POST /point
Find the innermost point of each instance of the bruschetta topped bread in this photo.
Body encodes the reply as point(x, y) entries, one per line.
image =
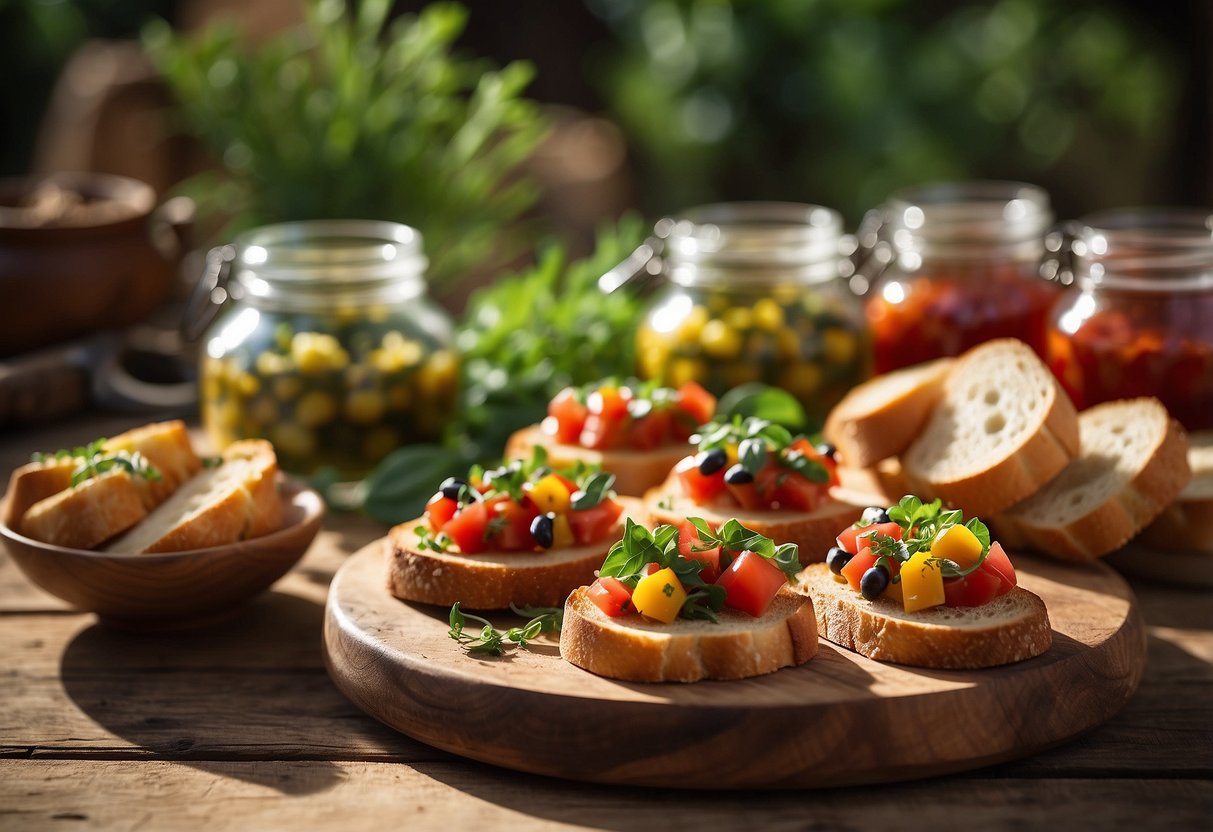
point(524, 534)
point(771, 480)
point(689, 602)
point(636, 430)
point(915, 584)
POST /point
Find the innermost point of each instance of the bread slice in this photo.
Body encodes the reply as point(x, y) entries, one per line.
point(1001, 430)
point(635, 649)
point(89, 514)
point(880, 485)
point(166, 445)
point(232, 501)
point(814, 532)
point(1187, 524)
point(32, 483)
point(1134, 462)
point(492, 580)
point(881, 417)
point(1011, 628)
point(635, 471)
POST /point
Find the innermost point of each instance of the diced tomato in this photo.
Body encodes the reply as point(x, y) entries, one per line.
point(611, 402)
point(595, 523)
point(997, 560)
point(699, 488)
point(978, 587)
point(886, 529)
point(611, 595)
point(568, 416)
point(515, 534)
point(650, 431)
point(751, 583)
point(439, 510)
point(756, 495)
point(856, 566)
point(602, 432)
point(689, 541)
point(467, 528)
point(807, 448)
point(650, 568)
point(696, 402)
point(848, 539)
point(795, 493)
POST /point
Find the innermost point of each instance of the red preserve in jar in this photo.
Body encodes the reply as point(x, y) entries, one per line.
point(1139, 321)
point(963, 268)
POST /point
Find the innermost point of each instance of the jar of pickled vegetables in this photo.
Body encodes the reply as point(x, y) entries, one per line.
point(1139, 320)
point(754, 293)
point(955, 264)
point(326, 344)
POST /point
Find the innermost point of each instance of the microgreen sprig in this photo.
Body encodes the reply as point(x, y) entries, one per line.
point(757, 440)
point(492, 641)
point(94, 461)
point(921, 525)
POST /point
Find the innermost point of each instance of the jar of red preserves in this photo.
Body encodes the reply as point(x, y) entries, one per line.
point(1139, 321)
point(963, 267)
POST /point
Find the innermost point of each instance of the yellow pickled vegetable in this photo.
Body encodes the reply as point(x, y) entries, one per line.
point(659, 596)
point(768, 315)
point(720, 340)
point(957, 544)
point(921, 583)
point(562, 532)
point(549, 494)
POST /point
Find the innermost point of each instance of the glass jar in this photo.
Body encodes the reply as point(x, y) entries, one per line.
point(961, 265)
point(1139, 321)
point(754, 292)
point(326, 344)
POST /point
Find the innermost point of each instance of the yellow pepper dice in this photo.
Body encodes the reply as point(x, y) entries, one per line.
point(562, 532)
point(921, 583)
point(659, 596)
point(957, 544)
point(549, 494)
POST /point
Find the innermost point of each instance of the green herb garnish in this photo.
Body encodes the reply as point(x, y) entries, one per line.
point(492, 641)
point(758, 440)
point(94, 461)
point(921, 523)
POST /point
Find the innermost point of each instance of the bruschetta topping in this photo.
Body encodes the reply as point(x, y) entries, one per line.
point(634, 415)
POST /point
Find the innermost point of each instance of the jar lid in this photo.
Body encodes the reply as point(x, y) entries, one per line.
point(304, 264)
point(793, 239)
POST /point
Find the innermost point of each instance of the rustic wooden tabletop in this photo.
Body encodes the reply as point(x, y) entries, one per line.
point(239, 727)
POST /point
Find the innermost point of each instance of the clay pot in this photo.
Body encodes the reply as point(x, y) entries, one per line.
point(73, 265)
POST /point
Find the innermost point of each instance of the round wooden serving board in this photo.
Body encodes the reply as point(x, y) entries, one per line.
point(840, 719)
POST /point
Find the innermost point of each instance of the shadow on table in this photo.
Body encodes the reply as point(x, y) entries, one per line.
point(248, 689)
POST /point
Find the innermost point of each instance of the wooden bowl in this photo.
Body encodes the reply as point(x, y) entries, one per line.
point(173, 590)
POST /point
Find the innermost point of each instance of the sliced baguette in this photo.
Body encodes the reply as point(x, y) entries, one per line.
point(881, 417)
point(1187, 524)
point(1011, 628)
point(1001, 430)
point(1134, 462)
point(880, 485)
point(634, 649)
point(635, 471)
point(165, 445)
point(814, 532)
point(232, 501)
point(89, 514)
point(492, 580)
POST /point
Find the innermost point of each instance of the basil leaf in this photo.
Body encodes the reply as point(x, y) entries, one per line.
point(759, 400)
point(593, 491)
point(397, 490)
point(753, 455)
point(980, 531)
point(787, 558)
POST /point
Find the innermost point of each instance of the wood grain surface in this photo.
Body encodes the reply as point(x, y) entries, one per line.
point(238, 727)
point(841, 719)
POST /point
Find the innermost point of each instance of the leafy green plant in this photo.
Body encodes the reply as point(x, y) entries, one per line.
point(346, 117)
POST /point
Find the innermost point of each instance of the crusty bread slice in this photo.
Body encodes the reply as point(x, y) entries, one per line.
point(492, 580)
point(814, 532)
point(232, 501)
point(635, 471)
point(1134, 462)
point(165, 445)
point(881, 417)
point(635, 649)
point(89, 514)
point(1187, 524)
point(880, 485)
point(1002, 429)
point(1011, 628)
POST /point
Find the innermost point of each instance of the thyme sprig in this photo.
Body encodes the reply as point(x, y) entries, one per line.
point(921, 524)
point(492, 641)
point(95, 461)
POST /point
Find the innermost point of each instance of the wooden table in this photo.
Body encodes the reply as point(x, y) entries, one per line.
point(239, 727)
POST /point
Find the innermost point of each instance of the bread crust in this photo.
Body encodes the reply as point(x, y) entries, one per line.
point(1115, 521)
point(1017, 472)
point(740, 646)
point(32, 483)
point(814, 532)
point(492, 580)
point(1009, 629)
point(1187, 524)
point(166, 445)
point(89, 514)
point(635, 471)
point(881, 417)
